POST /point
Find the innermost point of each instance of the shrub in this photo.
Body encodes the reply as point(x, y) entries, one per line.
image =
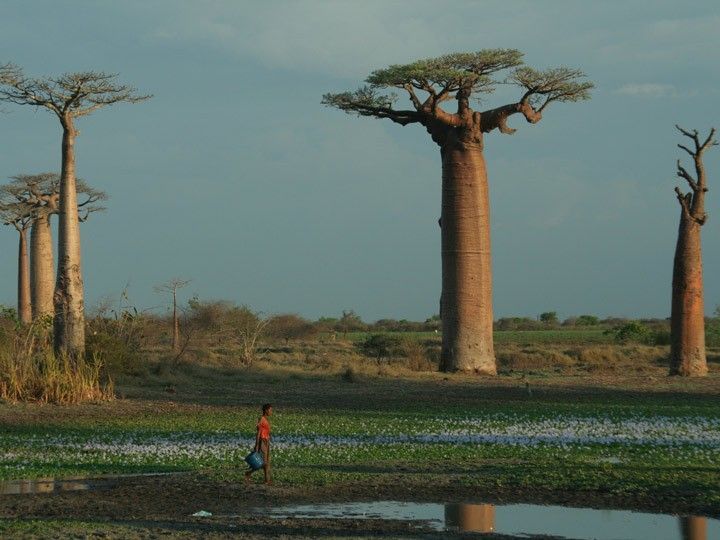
point(290, 326)
point(380, 346)
point(416, 356)
point(349, 375)
point(632, 332)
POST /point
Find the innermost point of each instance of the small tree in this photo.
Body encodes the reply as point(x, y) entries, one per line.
point(549, 318)
point(290, 326)
point(687, 318)
point(68, 97)
point(380, 346)
point(171, 287)
point(350, 322)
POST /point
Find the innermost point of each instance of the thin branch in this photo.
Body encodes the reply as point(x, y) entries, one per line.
point(682, 173)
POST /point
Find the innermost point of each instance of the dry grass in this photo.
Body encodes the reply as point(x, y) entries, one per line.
point(29, 371)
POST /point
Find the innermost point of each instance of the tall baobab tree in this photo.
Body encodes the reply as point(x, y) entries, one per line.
point(19, 215)
point(466, 300)
point(42, 191)
point(172, 288)
point(69, 96)
point(687, 318)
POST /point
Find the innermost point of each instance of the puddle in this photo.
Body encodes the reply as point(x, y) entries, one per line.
point(518, 519)
point(52, 485)
point(29, 487)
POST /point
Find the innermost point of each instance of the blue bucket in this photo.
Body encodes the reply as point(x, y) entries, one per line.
point(254, 460)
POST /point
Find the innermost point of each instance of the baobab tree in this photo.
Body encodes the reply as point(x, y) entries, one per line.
point(19, 215)
point(466, 299)
point(172, 288)
point(69, 96)
point(42, 191)
point(687, 318)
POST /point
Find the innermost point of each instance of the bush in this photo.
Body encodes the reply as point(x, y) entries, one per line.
point(416, 356)
point(632, 332)
point(290, 326)
point(380, 346)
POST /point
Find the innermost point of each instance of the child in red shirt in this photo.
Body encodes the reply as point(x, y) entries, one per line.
point(262, 442)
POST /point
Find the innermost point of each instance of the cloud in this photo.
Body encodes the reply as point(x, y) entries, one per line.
point(649, 90)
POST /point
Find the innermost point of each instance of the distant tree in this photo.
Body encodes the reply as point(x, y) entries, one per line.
point(587, 320)
point(549, 318)
point(42, 191)
point(289, 326)
point(171, 287)
point(466, 299)
point(687, 318)
point(19, 215)
point(350, 322)
point(69, 97)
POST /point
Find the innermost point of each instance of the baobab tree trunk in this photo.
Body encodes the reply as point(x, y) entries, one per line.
point(693, 528)
point(42, 268)
point(687, 320)
point(470, 517)
point(24, 307)
point(69, 321)
point(466, 301)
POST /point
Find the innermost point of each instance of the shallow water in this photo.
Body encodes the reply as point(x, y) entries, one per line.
point(519, 519)
point(29, 487)
point(52, 485)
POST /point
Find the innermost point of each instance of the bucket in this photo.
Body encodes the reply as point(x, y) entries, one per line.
point(254, 460)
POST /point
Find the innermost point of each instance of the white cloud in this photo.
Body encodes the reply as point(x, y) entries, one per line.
point(652, 90)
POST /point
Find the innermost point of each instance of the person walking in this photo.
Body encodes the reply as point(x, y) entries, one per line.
point(262, 442)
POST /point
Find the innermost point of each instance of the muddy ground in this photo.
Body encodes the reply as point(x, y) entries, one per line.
point(156, 506)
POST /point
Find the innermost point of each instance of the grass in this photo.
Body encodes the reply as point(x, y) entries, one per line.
point(343, 440)
point(577, 336)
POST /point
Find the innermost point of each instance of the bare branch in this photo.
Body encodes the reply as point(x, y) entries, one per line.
point(687, 150)
point(682, 173)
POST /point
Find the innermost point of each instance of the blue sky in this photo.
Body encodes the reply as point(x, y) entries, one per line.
point(236, 177)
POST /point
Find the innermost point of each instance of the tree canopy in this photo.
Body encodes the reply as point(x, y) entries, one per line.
point(430, 82)
point(68, 95)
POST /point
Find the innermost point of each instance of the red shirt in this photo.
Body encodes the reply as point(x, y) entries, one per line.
point(263, 427)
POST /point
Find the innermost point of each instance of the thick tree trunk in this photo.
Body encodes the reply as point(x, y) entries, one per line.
point(693, 528)
point(42, 267)
point(69, 321)
point(23, 305)
point(466, 302)
point(470, 517)
point(687, 321)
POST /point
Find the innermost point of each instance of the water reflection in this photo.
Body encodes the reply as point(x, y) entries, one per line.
point(514, 519)
point(29, 487)
point(693, 528)
point(470, 517)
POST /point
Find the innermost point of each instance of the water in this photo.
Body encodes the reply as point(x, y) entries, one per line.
point(28, 487)
point(52, 485)
point(519, 519)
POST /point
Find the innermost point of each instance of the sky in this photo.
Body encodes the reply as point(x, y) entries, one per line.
point(235, 176)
